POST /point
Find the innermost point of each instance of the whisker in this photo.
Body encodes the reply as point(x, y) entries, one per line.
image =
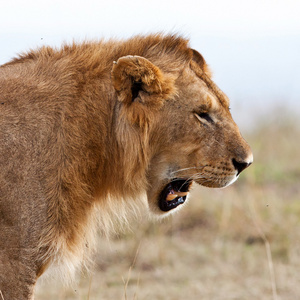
point(181, 170)
point(187, 180)
point(204, 177)
point(185, 169)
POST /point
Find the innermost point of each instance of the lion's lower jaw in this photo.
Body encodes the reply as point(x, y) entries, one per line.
point(155, 213)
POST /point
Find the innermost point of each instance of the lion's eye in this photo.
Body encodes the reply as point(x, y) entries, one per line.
point(204, 116)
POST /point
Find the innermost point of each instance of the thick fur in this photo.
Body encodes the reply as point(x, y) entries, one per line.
point(90, 133)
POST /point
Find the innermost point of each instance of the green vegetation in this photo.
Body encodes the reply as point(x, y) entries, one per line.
point(242, 242)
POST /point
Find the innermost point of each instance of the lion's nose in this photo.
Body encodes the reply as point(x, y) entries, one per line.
point(241, 165)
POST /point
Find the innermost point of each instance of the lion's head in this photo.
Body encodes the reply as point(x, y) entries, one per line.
point(186, 125)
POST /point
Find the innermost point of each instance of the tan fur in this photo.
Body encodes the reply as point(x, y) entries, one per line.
point(91, 133)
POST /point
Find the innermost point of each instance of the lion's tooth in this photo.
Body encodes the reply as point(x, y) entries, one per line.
point(171, 197)
point(181, 194)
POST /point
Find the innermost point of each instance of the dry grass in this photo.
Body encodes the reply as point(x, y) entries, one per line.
point(242, 242)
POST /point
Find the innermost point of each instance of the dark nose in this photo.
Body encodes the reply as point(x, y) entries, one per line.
point(240, 166)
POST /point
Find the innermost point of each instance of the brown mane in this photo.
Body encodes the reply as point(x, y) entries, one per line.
point(150, 46)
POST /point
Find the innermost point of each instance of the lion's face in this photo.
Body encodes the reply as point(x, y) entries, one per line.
point(199, 141)
point(192, 137)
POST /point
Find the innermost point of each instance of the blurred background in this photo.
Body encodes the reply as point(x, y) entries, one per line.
point(241, 242)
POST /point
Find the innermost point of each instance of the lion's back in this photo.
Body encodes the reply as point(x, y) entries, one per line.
point(45, 124)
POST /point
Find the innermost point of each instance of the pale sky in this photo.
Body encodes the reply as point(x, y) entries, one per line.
point(252, 46)
point(119, 17)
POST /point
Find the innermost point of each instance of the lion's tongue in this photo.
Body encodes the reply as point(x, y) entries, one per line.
point(172, 195)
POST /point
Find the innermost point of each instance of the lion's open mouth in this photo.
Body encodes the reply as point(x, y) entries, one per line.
point(174, 194)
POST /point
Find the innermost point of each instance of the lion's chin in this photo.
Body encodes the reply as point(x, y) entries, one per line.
point(174, 194)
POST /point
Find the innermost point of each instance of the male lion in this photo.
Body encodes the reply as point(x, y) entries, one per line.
point(87, 129)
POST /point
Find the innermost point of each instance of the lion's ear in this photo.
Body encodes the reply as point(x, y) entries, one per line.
point(198, 58)
point(134, 74)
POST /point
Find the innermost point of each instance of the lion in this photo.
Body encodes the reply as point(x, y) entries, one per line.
point(92, 131)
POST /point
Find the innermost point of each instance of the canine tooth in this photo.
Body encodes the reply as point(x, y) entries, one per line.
point(171, 197)
point(181, 194)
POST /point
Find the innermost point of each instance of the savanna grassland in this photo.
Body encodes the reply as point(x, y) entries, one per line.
point(242, 242)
